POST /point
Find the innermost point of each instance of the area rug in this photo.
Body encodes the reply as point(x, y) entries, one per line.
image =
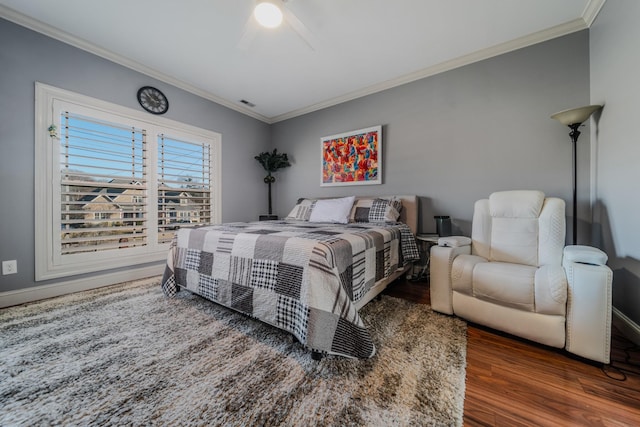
point(127, 355)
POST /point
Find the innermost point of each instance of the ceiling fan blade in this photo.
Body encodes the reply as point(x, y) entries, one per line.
point(298, 27)
point(250, 30)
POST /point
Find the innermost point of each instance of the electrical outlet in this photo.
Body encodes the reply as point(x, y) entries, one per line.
point(9, 267)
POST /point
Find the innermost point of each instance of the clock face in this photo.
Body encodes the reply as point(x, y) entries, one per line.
point(153, 100)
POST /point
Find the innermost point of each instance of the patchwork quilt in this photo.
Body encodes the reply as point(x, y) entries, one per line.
point(298, 276)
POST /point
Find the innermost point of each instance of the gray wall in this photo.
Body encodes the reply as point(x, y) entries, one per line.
point(456, 137)
point(451, 138)
point(27, 57)
point(615, 67)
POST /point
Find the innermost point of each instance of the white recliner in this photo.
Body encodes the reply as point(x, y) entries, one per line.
point(514, 274)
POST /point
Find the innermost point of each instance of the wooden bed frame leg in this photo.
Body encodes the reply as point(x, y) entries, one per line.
point(316, 355)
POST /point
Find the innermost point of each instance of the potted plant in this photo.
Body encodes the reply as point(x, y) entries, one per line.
point(271, 162)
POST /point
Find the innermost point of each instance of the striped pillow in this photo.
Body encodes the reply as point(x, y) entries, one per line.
point(302, 210)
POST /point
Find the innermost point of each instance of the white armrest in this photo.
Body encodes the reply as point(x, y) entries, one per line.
point(454, 241)
point(589, 302)
point(585, 255)
point(440, 276)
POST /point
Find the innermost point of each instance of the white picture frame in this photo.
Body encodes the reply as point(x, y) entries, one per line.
point(352, 158)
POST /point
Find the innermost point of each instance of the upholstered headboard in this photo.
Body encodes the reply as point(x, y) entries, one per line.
point(409, 213)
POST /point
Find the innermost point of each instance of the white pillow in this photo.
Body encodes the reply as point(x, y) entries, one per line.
point(332, 210)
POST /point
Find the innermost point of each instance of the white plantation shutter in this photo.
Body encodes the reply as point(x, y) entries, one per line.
point(184, 185)
point(113, 184)
point(103, 185)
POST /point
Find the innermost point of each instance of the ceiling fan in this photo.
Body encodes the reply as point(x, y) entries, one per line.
point(271, 14)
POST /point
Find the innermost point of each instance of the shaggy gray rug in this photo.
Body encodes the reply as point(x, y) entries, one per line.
point(126, 355)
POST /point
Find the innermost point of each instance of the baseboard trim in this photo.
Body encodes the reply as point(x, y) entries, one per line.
point(35, 293)
point(628, 327)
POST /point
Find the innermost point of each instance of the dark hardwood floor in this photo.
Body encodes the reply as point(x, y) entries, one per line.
point(514, 382)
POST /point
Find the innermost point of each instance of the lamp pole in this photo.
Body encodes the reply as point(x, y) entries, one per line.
point(574, 134)
point(574, 118)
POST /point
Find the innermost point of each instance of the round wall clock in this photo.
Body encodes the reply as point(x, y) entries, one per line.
point(152, 100)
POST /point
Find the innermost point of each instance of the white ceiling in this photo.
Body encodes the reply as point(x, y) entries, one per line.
point(359, 46)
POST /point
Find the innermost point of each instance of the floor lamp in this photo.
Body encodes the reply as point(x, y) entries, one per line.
point(574, 118)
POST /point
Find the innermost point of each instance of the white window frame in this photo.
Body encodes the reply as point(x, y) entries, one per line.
point(49, 262)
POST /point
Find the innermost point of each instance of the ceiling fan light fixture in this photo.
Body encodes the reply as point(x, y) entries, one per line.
point(268, 15)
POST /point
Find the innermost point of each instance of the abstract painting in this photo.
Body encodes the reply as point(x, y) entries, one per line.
point(352, 158)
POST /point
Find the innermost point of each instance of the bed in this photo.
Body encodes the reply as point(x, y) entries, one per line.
point(304, 276)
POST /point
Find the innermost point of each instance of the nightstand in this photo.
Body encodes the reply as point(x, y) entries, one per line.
point(425, 242)
point(267, 217)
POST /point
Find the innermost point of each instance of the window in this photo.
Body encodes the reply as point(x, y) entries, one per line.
point(113, 184)
point(184, 178)
point(103, 184)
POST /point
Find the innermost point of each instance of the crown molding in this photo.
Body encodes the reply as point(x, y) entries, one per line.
point(528, 40)
point(588, 16)
point(47, 30)
point(591, 10)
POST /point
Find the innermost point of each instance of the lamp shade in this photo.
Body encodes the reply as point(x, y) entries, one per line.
point(575, 115)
